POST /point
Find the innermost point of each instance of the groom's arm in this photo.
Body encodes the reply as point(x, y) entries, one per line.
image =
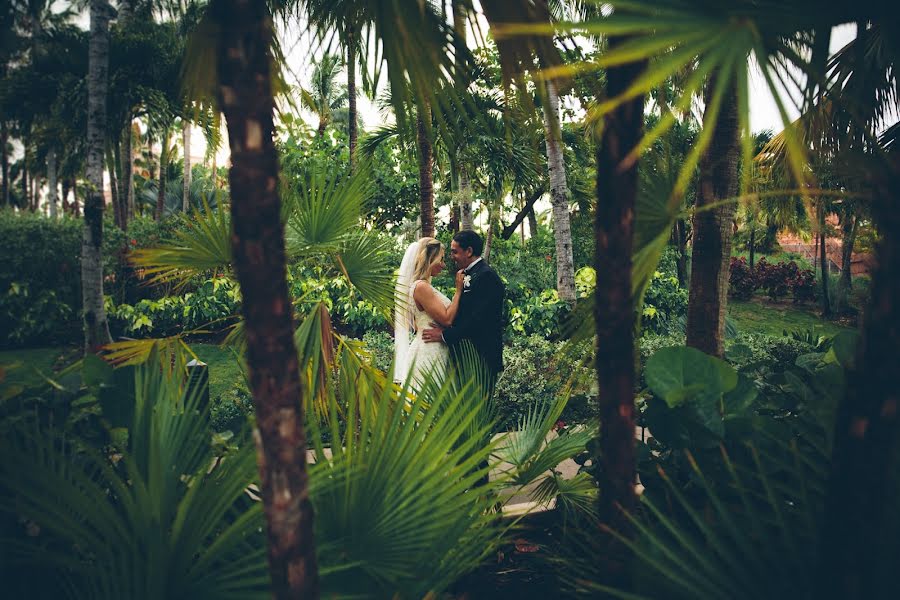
point(487, 297)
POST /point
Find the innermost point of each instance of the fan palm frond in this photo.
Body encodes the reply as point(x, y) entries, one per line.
point(165, 521)
point(203, 245)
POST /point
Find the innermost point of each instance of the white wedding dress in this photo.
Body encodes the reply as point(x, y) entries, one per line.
point(425, 358)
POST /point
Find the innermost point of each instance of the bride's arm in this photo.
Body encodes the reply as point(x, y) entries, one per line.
point(427, 298)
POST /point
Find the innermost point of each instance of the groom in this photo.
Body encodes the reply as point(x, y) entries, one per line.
point(479, 319)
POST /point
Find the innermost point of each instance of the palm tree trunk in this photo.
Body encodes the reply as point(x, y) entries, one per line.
point(96, 328)
point(489, 236)
point(351, 94)
point(614, 315)
point(752, 246)
point(465, 200)
point(186, 142)
point(51, 182)
point(426, 165)
point(126, 178)
point(4, 161)
point(245, 96)
point(681, 244)
point(559, 199)
point(26, 197)
point(76, 208)
point(163, 175)
point(114, 186)
point(823, 259)
point(845, 283)
point(855, 543)
point(64, 197)
point(710, 260)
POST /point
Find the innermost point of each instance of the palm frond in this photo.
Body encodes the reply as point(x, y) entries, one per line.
point(204, 245)
point(165, 521)
point(323, 211)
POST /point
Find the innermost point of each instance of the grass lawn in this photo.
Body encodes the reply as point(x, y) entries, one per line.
point(224, 370)
point(758, 316)
point(24, 367)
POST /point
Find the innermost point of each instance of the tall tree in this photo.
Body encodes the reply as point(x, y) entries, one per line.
point(712, 228)
point(163, 173)
point(96, 328)
point(325, 94)
point(186, 179)
point(614, 307)
point(244, 92)
point(559, 198)
point(52, 187)
point(426, 167)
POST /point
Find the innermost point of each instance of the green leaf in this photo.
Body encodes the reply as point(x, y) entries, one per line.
point(678, 374)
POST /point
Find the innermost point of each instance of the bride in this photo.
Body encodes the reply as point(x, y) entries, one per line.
point(418, 305)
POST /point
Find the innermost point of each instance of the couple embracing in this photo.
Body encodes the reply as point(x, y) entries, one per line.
point(430, 329)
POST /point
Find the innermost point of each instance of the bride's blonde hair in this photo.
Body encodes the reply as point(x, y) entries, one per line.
point(430, 252)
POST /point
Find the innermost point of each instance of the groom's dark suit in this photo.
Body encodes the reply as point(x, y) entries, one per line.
point(480, 316)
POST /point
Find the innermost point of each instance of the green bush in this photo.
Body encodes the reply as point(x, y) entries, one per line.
point(231, 411)
point(212, 307)
point(535, 370)
point(40, 274)
point(381, 347)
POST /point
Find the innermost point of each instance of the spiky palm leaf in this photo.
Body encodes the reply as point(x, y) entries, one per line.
point(405, 516)
point(751, 532)
point(203, 245)
point(165, 521)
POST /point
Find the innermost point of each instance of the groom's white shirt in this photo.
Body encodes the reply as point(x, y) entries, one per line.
point(472, 264)
point(466, 270)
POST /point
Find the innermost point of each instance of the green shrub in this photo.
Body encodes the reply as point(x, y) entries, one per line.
point(40, 274)
point(231, 411)
point(381, 347)
point(536, 370)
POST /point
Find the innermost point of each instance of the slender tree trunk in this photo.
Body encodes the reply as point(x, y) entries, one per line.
point(527, 211)
point(559, 198)
point(26, 196)
point(858, 549)
point(96, 328)
point(76, 208)
point(845, 283)
point(681, 244)
point(489, 237)
point(245, 95)
point(52, 187)
point(752, 246)
point(465, 200)
point(426, 165)
point(351, 94)
point(36, 184)
point(4, 161)
point(126, 177)
point(66, 186)
point(186, 142)
point(163, 175)
point(711, 257)
point(114, 187)
point(532, 221)
point(823, 260)
point(614, 316)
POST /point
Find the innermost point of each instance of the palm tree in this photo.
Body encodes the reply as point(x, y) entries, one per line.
point(244, 93)
point(96, 328)
point(712, 227)
point(325, 94)
point(559, 197)
point(426, 167)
